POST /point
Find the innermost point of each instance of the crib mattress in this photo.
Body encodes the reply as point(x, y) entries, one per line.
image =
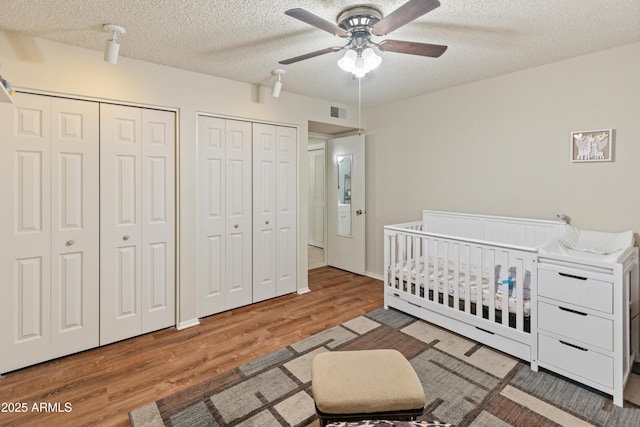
point(412, 271)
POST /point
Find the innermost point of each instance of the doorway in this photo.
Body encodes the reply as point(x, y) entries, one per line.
point(319, 134)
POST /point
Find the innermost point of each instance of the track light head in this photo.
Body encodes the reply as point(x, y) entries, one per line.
point(112, 47)
point(277, 85)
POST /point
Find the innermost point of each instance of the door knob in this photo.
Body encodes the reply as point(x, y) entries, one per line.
point(70, 242)
point(359, 212)
point(125, 237)
point(236, 226)
point(267, 222)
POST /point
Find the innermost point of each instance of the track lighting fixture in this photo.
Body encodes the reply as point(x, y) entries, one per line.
point(112, 48)
point(277, 85)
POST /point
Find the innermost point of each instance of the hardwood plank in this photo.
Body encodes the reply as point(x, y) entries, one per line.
point(104, 384)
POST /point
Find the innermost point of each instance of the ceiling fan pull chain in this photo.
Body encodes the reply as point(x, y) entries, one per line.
point(359, 106)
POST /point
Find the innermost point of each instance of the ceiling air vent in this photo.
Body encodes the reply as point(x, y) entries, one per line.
point(338, 113)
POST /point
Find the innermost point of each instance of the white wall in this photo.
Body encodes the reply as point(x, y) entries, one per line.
point(40, 65)
point(501, 146)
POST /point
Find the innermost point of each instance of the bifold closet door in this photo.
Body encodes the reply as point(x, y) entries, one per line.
point(274, 211)
point(48, 229)
point(137, 280)
point(75, 238)
point(224, 215)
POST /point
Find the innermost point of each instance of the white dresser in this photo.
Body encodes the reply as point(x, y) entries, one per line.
point(588, 320)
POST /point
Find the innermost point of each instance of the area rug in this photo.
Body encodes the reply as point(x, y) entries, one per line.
point(465, 383)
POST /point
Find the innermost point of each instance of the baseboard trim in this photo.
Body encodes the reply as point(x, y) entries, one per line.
point(189, 323)
point(374, 275)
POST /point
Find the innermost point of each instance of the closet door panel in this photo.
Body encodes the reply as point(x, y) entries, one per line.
point(264, 211)
point(25, 253)
point(238, 213)
point(75, 225)
point(120, 223)
point(211, 216)
point(158, 220)
point(286, 206)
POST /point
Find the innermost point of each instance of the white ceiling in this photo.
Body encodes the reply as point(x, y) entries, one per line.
point(244, 39)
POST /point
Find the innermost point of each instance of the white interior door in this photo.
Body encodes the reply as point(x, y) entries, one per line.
point(264, 212)
point(158, 220)
point(346, 203)
point(239, 215)
point(75, 238)
point(286, 206)
point(211, 215)
point(317, 185)
point(120, 222)
point(25, 232)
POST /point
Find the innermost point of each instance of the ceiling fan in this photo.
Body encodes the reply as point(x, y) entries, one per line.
point(358, 24)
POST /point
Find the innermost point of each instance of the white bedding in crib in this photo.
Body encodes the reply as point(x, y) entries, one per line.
point(487, 288)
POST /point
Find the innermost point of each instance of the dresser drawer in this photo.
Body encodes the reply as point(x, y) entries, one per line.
point(587, 328)
point(578, 290)
point(581, 362)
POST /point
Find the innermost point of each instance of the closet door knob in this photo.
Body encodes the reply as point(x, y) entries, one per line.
point(125, 237)
point(267, 222)
point(70, 242)
point(236, 226)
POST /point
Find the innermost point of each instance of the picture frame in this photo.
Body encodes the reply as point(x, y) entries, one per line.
point(592, 146)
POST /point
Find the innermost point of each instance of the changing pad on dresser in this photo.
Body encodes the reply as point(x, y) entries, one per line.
point(596, 245)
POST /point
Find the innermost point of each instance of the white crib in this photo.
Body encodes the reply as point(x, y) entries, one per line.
point(478, 276)
point(500, 252)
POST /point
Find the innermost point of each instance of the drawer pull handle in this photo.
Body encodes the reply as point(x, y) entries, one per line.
point(571, 276)
point(572, 345)
point(572, 311)
point(484, 330)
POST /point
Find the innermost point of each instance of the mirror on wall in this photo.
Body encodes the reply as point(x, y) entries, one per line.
point(344, 194)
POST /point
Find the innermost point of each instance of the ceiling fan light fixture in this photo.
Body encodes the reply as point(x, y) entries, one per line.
point(348, 61)
point(359, 64)
point(112, 48)
point(371, 60)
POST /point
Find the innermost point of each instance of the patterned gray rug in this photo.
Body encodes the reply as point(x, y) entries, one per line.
point(466, 384)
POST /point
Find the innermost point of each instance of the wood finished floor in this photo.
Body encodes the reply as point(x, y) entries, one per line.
point(104, 384)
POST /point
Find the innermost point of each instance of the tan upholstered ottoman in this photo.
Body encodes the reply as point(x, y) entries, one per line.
point(366, 384)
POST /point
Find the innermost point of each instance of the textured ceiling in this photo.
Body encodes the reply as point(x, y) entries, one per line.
point(244, 40)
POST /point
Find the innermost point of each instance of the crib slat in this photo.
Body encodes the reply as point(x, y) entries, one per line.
point(505, 288)
point(467, 287)
point(416, 264)
point(520, 273)
point(445, 273)
point(491, 264)
point(456, 275)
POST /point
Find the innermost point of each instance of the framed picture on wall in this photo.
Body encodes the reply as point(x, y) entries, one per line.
point(592, 145)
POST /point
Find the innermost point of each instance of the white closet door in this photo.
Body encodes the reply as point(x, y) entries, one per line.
point(120, 223)
point(264, 212)
point(75, 260)
point(238, 214)
point(211, 216)
point(286, 205)
point(25, 252)
point(158, 220)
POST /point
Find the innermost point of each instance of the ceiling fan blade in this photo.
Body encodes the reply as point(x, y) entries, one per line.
point(316, 21)
point(413, 48)
point(310, 55)
point(406, 13)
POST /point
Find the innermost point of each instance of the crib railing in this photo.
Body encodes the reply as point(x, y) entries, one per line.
point(456, 268)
